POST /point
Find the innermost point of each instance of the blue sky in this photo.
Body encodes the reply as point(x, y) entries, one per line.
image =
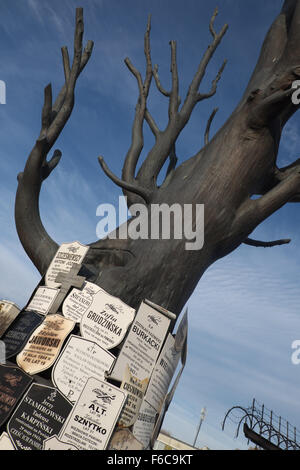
point(244, 314)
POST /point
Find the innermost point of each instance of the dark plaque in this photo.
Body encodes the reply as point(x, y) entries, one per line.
point(41, 414)
point(19, 331)
point(13, 384)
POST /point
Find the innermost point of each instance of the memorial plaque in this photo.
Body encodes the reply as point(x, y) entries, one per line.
point(5, 442)
point(143, 343)
point(44, 345)
point(123, 439)
point(135, 389)
point(53, 443)
point(66, 255)
point(8, 313)
point(162, 374)
point(13, 384)
point(19, 331)
point(106, 321)
point(79, 360)
point(41, 414)
point(144, 425)
point(78, 301)
point(94, 416)
point(42, 300)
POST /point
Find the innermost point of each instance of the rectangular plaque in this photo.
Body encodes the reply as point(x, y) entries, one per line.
point(44, 344)
point(42, 300)
point(8, 312)
point(162, 374)
point(94, 416)
point(79, 360)
point(13, 384)
point(41, 414)
point(66, 255)
point(106, 321)
point(143, 343)
point(144, 425)
point(19, 331)
point(136, 390)
point(78, 301)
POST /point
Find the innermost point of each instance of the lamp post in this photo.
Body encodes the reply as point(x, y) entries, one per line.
point(202, 418)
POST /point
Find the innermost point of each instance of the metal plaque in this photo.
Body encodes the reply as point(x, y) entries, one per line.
point(13, 384)
point(79, 360)
point(42, 300)
point(8, 312)
point(163, 373)
point(66, 255)
point(135, 389)
point(143, 343)
point(41, 414)
point(106, 321)
point(94, 416)
point(78, 301)
point(44, 345)
point(19, 331)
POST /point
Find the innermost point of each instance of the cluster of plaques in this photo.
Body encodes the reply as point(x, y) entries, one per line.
point(110, 367)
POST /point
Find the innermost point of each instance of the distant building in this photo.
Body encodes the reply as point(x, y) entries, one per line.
point(167, 442)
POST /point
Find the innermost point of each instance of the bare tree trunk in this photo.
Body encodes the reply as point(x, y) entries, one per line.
point(239, 162)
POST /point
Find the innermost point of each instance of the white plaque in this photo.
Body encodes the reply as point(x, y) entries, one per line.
point(144, 425)
point(136, 390)
point(94, 416)
point(78, 301)
point(53, 443)
point(5, 442)
point(66, 255)
point(79, 360)
point(143, 343)
point(163, 373)
point(42, 300)
point(106, 321)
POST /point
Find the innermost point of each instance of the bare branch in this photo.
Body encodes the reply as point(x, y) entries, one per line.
point(131, 187)
point(136, 73)
point(260, 244)
point(152, 124)
point(158, 83)
point(66, 63)
point(210, 120)
point(211, 23)
point(193, 96)
point(47, 108)
point(203, 96)
point(174, 98)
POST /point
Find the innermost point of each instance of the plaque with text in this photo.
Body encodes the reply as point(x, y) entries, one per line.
point(123, 439)
point(143, 343)
point(53, 443)
point(163, 373)
point(13, 384)
point(78, 301)
point(41, 414)
point(66, 255)
point(79, 360)
point(144, 425)
point(8, 313)
point(42, 300)
point(106, 321)
point(19, 331)
point(44, 345)
point(5, 442)
point(94, 416)
point(135, 389)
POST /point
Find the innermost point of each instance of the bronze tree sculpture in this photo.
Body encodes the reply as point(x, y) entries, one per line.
point(236, 164)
